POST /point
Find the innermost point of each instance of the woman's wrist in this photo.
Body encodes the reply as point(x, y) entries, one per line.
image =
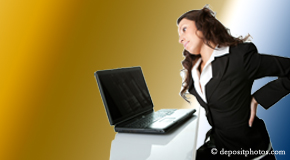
point(254, 100)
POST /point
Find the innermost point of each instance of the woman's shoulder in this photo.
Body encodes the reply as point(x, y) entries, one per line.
point(243, 48)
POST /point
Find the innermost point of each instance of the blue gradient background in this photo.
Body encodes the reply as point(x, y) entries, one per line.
point(268, 22)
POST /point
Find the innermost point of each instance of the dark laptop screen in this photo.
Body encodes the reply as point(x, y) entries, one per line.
point(124, 93)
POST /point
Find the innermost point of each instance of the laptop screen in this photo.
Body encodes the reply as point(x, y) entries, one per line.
point(124, 93)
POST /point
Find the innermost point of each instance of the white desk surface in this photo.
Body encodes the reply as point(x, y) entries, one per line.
point(179, 144)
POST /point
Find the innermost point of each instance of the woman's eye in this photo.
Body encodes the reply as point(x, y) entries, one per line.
point(184, 29)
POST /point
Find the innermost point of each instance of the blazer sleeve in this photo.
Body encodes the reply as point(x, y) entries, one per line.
point(259, 65)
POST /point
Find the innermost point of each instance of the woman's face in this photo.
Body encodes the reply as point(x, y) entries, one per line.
point(187, 36)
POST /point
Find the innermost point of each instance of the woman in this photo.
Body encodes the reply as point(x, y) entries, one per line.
point(219, 72)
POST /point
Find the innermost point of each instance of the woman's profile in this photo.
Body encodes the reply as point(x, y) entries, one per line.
point(219, 71)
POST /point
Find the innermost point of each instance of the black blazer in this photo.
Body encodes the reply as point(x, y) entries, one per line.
point(229, 96)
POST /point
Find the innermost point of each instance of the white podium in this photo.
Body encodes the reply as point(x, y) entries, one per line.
point(179, 144)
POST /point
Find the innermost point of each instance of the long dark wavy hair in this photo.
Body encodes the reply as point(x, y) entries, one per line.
point(213, 31)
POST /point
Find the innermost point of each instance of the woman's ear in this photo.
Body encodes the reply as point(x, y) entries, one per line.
point(199, 34)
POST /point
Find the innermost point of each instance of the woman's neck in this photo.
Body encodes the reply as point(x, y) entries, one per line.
point(206, 52)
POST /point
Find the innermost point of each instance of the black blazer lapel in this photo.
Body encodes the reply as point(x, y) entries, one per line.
point(192, 90)
point(219, 66)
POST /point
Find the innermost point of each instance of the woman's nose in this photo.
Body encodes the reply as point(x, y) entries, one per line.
point(181, 39)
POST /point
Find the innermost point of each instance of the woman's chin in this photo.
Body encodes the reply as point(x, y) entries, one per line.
point(193, 53)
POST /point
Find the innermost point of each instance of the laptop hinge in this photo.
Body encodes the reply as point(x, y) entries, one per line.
point(135, 116)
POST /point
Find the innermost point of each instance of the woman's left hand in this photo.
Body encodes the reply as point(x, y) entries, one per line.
point(254, 105)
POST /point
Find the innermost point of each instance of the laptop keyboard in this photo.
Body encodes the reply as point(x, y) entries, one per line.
point(150, 118)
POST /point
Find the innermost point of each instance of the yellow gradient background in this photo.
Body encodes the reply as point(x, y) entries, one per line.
point(50, 105)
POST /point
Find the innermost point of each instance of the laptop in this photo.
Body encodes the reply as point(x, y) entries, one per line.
point(129, 106)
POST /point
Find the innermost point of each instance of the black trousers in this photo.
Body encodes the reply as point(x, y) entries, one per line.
point(207, 152)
